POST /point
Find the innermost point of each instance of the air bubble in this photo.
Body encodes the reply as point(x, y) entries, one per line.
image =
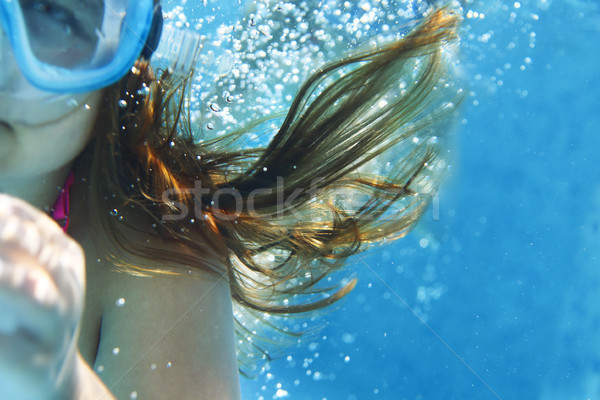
point(71, 102)
point(348, 338)
point(122, 103)
point(145, 91)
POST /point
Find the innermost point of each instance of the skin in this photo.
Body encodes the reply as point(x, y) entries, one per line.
point(174, 335)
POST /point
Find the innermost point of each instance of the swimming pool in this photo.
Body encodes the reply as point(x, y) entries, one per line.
point(494, 295)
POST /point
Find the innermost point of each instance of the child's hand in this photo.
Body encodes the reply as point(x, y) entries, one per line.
point(41, 298)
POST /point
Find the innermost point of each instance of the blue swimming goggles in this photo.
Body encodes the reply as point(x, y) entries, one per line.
point(73, 46)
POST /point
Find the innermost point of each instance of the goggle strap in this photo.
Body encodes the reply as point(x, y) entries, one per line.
point(178, 51)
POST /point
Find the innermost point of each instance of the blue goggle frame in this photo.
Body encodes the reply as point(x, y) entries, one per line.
point(140, 19)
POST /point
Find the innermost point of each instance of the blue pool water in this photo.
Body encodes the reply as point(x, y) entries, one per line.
point(498, 297)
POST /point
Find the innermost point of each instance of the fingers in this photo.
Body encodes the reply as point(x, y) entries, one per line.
point(41, 299)
point(44, 263)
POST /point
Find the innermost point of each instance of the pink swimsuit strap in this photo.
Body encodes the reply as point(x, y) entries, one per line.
point(60, 211)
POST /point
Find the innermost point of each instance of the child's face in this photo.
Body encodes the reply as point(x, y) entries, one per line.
point(39, 132)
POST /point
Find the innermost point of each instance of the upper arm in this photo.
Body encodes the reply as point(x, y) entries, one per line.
point(172, 338)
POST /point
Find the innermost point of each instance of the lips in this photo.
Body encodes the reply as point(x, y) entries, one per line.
point(5, 126)
point(6, 132)
point(8, 140)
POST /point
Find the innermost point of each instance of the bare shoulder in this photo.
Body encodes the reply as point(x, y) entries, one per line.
point(161, 337)
point(168, 337)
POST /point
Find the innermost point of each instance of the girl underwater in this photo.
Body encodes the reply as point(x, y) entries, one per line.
point(159, 235)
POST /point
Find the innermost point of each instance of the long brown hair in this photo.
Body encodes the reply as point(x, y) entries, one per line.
point(356, 161)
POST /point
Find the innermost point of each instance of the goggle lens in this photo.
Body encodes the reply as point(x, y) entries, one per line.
point(64, 33)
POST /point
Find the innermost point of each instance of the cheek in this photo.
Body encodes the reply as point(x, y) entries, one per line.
point(48, 147)
point(73, 133)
